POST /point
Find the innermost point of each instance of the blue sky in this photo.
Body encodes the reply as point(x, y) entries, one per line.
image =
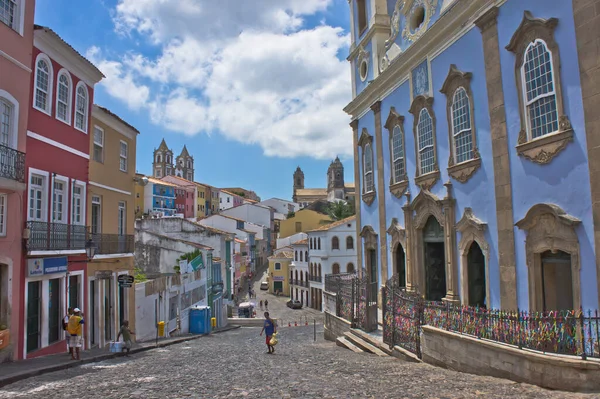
point(253, 89)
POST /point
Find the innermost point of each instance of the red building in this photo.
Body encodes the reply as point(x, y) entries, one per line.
point(16, 44)
point(58, 142)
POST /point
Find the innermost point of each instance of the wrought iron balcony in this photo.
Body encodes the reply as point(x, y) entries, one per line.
point(45, 236)
point(12, 164)
point(316, 279)
point(113, 243)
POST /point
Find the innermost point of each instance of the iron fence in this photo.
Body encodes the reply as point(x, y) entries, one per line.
point(12, 164)
point(571, 332)
point(315, 278)
point(354, 301)
point(112, 243)
point(45, 236)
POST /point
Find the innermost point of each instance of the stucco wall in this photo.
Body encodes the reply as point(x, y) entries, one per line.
point(467, 354)
point(309, 219)
point(335, 327)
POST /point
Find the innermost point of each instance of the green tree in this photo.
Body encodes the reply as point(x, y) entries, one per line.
point(339, 210)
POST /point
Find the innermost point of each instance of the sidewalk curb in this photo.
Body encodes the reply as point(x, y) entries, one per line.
point(12, 378)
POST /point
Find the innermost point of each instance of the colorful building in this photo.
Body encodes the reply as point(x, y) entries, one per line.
point(202, 200)
point(229, 200)
point(309, 218)
point(111, 198)
point(214, 200)
point(58, 143)
point(185, 195)
point(279, 272)
point(16, 46)
point(475, 133)
point(159, 197)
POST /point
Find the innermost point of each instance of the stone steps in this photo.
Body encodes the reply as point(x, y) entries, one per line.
point(344, 343)
point(363, 344)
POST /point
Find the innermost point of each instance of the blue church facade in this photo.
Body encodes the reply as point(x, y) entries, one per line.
point(474, 128)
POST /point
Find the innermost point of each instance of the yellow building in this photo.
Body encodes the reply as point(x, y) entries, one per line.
point(203, 195)
point(304, 220)
point(279, 272)
point(111, 217)
point(139, 198)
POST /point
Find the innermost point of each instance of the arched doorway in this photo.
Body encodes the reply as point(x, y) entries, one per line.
point(335, 269)
point(434, 260)
point(557, 281)
point(400, 265)
point(476, 273)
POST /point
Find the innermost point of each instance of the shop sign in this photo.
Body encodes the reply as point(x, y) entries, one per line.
point(278, 278)
point(41, 266)
point(103, 274)
point(125, 280)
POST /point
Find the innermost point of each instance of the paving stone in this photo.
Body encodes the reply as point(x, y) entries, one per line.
point(235, 365)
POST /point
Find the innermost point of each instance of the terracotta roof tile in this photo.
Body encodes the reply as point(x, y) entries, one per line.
point(301, 242)
point(335, 224)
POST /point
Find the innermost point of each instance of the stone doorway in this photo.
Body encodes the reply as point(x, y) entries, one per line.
point(556, 281)
point(477, 277)
point(400, 265)
point(434, 260)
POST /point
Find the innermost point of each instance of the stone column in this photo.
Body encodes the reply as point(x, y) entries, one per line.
point(357, 197)
point(411, 284)
point(449, 204)
point(587, 19)
point(383, 250)
point(487, 23)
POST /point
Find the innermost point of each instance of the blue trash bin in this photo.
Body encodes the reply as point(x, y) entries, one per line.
point(200, 320)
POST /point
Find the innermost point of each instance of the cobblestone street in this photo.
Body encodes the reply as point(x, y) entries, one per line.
point(234, 364)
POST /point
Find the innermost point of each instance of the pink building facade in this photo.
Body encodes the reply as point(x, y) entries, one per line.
point(16, 45)
point(54, 265)
point(185, 195)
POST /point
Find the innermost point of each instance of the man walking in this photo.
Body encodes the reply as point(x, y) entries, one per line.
point(126, 332)
point(269, 329)
point(261, 304)
point(266, 304)
point(75, 331)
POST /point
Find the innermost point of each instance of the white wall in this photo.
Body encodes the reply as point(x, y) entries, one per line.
point(223, 197)
point(252, 213)
point(284, 242)
point(280, 205)
point(327, 256)
point(146, 306)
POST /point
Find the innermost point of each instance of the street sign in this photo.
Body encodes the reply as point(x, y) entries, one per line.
point(125, 279)
point(125, 285)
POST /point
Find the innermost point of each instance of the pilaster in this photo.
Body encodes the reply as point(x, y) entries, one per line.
point(587, 19)
point(357, 197)
point(411, 284)
point(449, 204)
point(383, 250)
point(488, 25)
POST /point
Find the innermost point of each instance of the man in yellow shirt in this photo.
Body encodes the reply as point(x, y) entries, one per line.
point(75, 330)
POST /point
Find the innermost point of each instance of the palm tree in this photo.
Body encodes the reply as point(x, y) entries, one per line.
point(338, 211)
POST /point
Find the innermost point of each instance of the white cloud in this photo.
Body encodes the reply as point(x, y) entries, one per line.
point(248, 70)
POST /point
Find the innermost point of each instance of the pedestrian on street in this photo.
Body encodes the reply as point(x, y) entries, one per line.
point(261, 304)
point(266, 304)
point(126, 332)
point(75, 330)
point(66, 324)
point(269, 329)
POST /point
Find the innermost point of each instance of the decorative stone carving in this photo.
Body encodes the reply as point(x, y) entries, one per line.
point(457, 79)
point(424, 205)
point(369, 238)
point(471, 230)
point(550, 228)
point(398, 184)
point(365, 138)
point(545, 148)
point(397, 233)
point(424, 181)
point(412, 33)
point(363, 55)
point(395, 23)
